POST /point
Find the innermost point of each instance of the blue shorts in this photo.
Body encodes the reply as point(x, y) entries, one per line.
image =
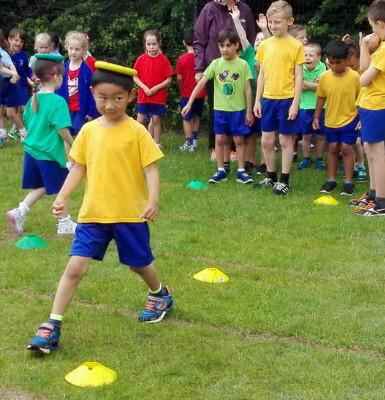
point(274, 117)
point(4, 90)
point(15, 94)
point(77, 121)
point(345, 134)
point(256, 127)
point(43, 173)
point(132, 241)
point(196, 108)
point(306, 123)
point(149, 109)
point(372, 125)
point(230, 123)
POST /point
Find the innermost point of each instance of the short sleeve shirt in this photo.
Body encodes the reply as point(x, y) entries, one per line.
point(309, 97)
point(115, 158)
point(341, 93)
point(185, 68)
point(230, 77)
point(43, 141)
point(279, 57)
point(152, 71)
point(373, 97)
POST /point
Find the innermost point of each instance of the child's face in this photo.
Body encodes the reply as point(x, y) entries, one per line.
point(312, 57)
point(258, 40)
point(16, 43)
point(75, 50)
point(279, 24)
point(302, 36)
point(152, 46)
point(378, 28)
point(228, 50)
point(337, 66)
point(111, 100)
point(43, 47)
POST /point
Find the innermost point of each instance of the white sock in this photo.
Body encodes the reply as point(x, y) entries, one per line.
point(24, 209)
point(241, 170)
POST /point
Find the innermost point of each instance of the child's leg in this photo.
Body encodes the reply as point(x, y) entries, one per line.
point(220, 143)
point(333, 151)
point(376, 155)
point(149, 276)
point(157, 127)
point(268, 143)
point(141, 118)
point(76, 268)
point(195, 125)
point(251, 148)
point(188, 130)
point(372, 180)
point(240, 149)
point(287, 148)
point(14, 116)
point(348, 157)
point(320, 146)
point(306, 140)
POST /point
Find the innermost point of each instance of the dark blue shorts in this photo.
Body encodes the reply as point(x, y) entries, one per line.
point(306, 123)
point(15, 94)
point(256, 127)
point(230, 123)
point(346, 134)
point(196, 108)
point(43, 173)
point(151, 109)
point(372, 125)
point(274, 117)
point(132, 241)
point(77, 121)
point(4, 90)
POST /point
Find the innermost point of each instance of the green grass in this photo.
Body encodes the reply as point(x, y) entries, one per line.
point(303, 316)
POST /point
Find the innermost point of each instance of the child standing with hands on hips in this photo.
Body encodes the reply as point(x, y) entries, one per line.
point(46, 118)
point(112, 146)
point(154, 76)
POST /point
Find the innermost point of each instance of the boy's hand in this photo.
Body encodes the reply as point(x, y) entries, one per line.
point(235, 14)
point(185, 110)
point(58, 207)
point(258, 109)
point(151, 212)
point(293, 112)
point(315, 124)
point(371, 41)
point(262, 22)
point(249, 119)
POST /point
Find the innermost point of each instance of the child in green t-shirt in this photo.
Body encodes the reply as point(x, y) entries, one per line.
point(233, 114)
point(312, 70)
point(47, 119)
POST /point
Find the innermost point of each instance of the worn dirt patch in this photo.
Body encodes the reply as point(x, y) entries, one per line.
point(10, 394)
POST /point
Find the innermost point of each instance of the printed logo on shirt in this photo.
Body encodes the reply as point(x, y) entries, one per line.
point(73, 86)
point(227, 79)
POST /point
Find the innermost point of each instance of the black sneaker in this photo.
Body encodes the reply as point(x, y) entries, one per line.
point(374, 212)
point(226, 166)
point(261, 169)
point(328, 187)
point(347, 189)
point(249, 167)
point(280, 188)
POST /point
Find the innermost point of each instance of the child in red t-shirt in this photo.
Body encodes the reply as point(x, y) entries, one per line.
point(186, 80)
point(154, 75)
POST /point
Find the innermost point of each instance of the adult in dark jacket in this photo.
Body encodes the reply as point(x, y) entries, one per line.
point(214, 17)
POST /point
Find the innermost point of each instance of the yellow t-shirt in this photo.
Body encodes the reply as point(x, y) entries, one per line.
point(115, 158)
point(279, 57)
point(341, 93)
point(373, 98)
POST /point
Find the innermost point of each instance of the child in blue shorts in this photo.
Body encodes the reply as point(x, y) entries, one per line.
point(337, 91)
point(312, 70)
point(118, 157)
point(372, 110)
point(232, 103)
point(47, 120)
point(279, 89)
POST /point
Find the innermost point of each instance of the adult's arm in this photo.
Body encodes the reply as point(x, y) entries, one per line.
point(201, 38)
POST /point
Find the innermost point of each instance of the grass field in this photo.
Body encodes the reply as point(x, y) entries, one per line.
point(303, 316)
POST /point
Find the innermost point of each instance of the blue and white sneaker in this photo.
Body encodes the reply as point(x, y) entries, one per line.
point(187, 146)
point(219, 176)
point(156, 308)
point(305, 163)
point(320, 164)
point(46, 339)
point(244, 177)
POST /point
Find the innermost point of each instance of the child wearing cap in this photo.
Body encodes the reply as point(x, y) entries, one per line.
point(47, 120)
point(113, 145)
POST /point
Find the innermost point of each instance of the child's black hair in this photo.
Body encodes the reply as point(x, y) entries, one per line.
point(376, 11)
point(56, 41)
point(188, 37)
point(101, 76)
point(337, 49)
point(230, 35)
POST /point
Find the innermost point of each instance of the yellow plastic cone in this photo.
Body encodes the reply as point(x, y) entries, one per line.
point(326, 201)
point(211, 275)
point(91, 373)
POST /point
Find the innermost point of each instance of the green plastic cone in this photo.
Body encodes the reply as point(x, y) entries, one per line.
point(28, 242)
point(197, 185)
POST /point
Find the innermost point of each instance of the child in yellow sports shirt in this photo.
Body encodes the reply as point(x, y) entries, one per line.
point(279, 89)
point(337, 91)
point(117, 156)
point(372, 111)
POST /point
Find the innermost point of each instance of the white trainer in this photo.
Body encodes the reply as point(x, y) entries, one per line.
point(66, 226)
point(15, 220)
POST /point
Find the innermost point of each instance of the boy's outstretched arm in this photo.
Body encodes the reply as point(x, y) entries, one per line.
point(153, 186)
point(235, 14)
point(75, 176)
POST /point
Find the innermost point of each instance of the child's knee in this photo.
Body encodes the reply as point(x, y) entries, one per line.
point(347, 149)
point(76, 268)
point(239, 140)
point(11, 113)
point(220, 140)
point(268, 142)
point(333, 148)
